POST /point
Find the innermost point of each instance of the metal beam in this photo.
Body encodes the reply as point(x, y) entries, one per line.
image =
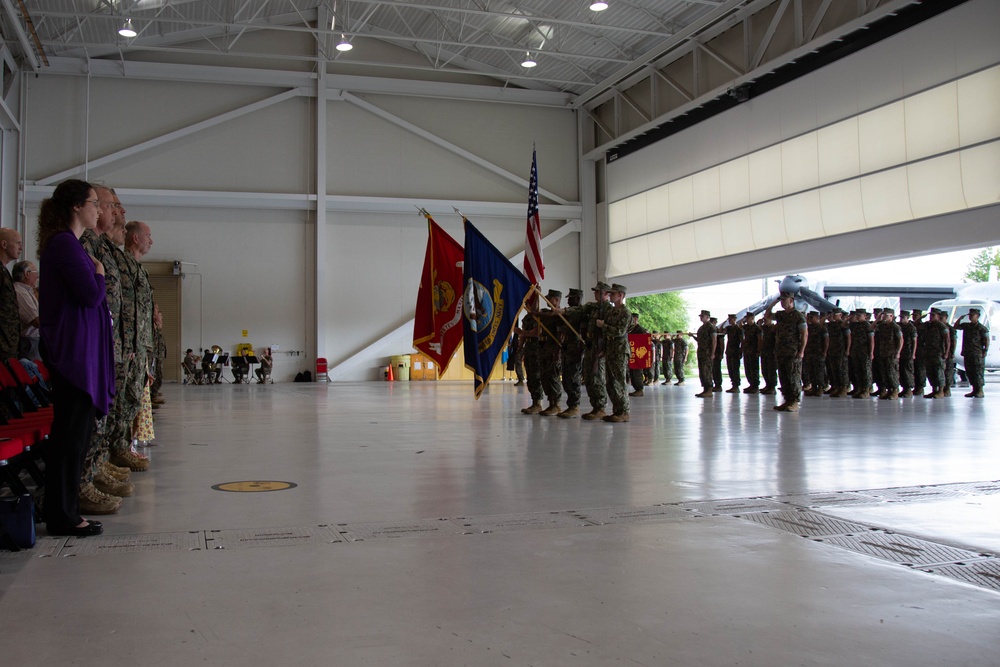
point(22, 37)
point(447, 145)
point(769, 34)
point(171, 136)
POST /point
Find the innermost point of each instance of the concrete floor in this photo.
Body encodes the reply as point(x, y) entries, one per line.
point(427, 528)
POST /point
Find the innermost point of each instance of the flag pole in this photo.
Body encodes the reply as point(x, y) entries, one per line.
point(557, 312)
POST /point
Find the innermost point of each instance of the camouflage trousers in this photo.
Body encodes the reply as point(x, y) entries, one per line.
point(877, 369)
point(572, 375)
point(123, 411)
point(769, 370)
point(906, 372)
point(839, 377)
point(596, 385)
point(705, 370)
point(97, 453)
point(733, 367)
point(889, 373)
point(814, 371)
point(665, 366)
point(751, 365)
point(678, 370)
point(919, 373)
point(717, 371)
point(617, 371)
point(550, 365)
point(949, 373)
point(974, 370)
point(519, 362)
point(934, 368)
point(862, 372)
point(790, 377)
point(533, 373)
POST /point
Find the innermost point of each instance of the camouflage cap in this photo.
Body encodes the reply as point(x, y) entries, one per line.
point(706, 313)
point(878, 310)
point(679, 331)
point(904, 313)
point(601, 286)
point(787, 295)
point(888, 311)
point(917, 311)
point(974, 310)
point(618, 287)
point(732, 316)
point(554, 294)
point(575, 292)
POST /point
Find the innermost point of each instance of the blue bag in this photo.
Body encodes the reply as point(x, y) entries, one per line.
point(17, 523)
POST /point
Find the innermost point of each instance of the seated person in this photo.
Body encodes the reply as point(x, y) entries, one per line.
point(191, 369)
point(208, 369)
point(264, 372)
point(240, 367)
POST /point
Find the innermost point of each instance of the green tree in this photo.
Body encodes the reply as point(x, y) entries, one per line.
point(666, 311)
point(979, 267)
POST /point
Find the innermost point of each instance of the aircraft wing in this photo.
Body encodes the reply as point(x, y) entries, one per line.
point(920, 292)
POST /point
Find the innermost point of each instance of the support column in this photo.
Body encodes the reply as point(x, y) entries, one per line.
point(591, 268)
point(321, 306)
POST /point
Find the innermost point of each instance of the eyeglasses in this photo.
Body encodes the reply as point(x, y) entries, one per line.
point(95, 202)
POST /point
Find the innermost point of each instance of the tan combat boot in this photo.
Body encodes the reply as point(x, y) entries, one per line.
point(939, 393)
point(616, 419)
point(569, 413)
point(533, 409)
point(93, 501)
point(907, 393)
point(946, 392)
point(112, 486)
point(862, 394)
point(792, 407)
point(130, 459)
point(121, 474)
point(553, 409)
point(636, 394)
point(595, 414)
point(781, 408)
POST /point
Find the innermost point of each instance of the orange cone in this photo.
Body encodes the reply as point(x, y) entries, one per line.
point(389, 377)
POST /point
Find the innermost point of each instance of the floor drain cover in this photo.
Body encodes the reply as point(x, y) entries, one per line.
point(505, 523)
point(607, 515)
point(124, 544)
point(914, 493)
point(734, 506)
point(972, 488)
point(270, 537)
point(901, 548)
point(985, 573)
point(805, 523)
point(44, 546)
point(415, 528)
point(826, 499)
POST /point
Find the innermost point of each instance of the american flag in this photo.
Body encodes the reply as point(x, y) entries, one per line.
point(534, 268)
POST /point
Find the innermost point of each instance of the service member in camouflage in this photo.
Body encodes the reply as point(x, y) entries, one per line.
point(707, 340)
point(572, 352)
point(594, 365)
point(10, 321)
point(862, 353)
point(751, 353)
point(615, 326)
point(160, 348)
point(919, 373)
point(906, 355)
point(768, 364)
point(889, 351)
point(791, 336)
point(949, 362)
point(680, 356)
point(734, 353)
point(814, 359)
point(876, 364)
point(550, 354)
point(666, 356)
point(934, 346)
point(839, 335)
point(975, 345)
point(636, 375)
point(528, 334)
point(720, 354)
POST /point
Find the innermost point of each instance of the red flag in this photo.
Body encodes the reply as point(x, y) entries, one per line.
point(641, 348)
point(437, 324)
point(534, 268)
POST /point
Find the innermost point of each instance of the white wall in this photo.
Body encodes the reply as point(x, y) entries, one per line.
point(256, 265)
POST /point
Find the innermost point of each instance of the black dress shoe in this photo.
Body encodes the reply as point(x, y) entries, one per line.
point(92, 528)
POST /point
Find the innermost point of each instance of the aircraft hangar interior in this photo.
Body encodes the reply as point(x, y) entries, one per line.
point(288, 158)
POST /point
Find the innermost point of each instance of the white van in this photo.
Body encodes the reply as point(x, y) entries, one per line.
point(989, 312)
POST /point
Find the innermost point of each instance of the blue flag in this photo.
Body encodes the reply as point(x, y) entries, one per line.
point(494, 294)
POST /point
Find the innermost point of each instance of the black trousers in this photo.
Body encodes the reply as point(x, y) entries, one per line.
point(72, 425)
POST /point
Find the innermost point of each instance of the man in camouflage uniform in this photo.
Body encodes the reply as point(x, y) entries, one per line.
point(934, 346)
point(666, 356)
point(720, 353)
point(615, 326)
point(680, 357)
point(906, 355)
point(657, 343)
point(636, 375)
point(814, 359)
point(594, 361)
point(707, 340)
point(839, 350)
point(889, 351)
point(751, 353)
point(549, 354)
point(791, 336)
point(876, 364)
point(734, 353)
point(919, 372)
point(10, 320)
point(975, 345)
point(572, 352)
point(862, 353)
point(949, 362)
point(768, 364)
point(160, 347)
point(528, 334)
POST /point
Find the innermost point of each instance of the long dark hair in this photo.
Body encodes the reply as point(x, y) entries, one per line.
point(56, 212)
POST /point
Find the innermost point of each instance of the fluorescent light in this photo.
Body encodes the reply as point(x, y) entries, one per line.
point(598, 6)
point(127, 30)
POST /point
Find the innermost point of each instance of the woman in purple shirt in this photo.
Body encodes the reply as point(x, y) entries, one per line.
point(76, 344)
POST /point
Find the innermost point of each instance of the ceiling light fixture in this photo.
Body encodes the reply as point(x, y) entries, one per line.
point(528, 61)
point(127, 30)
point(344, 45)
point(598, 6)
